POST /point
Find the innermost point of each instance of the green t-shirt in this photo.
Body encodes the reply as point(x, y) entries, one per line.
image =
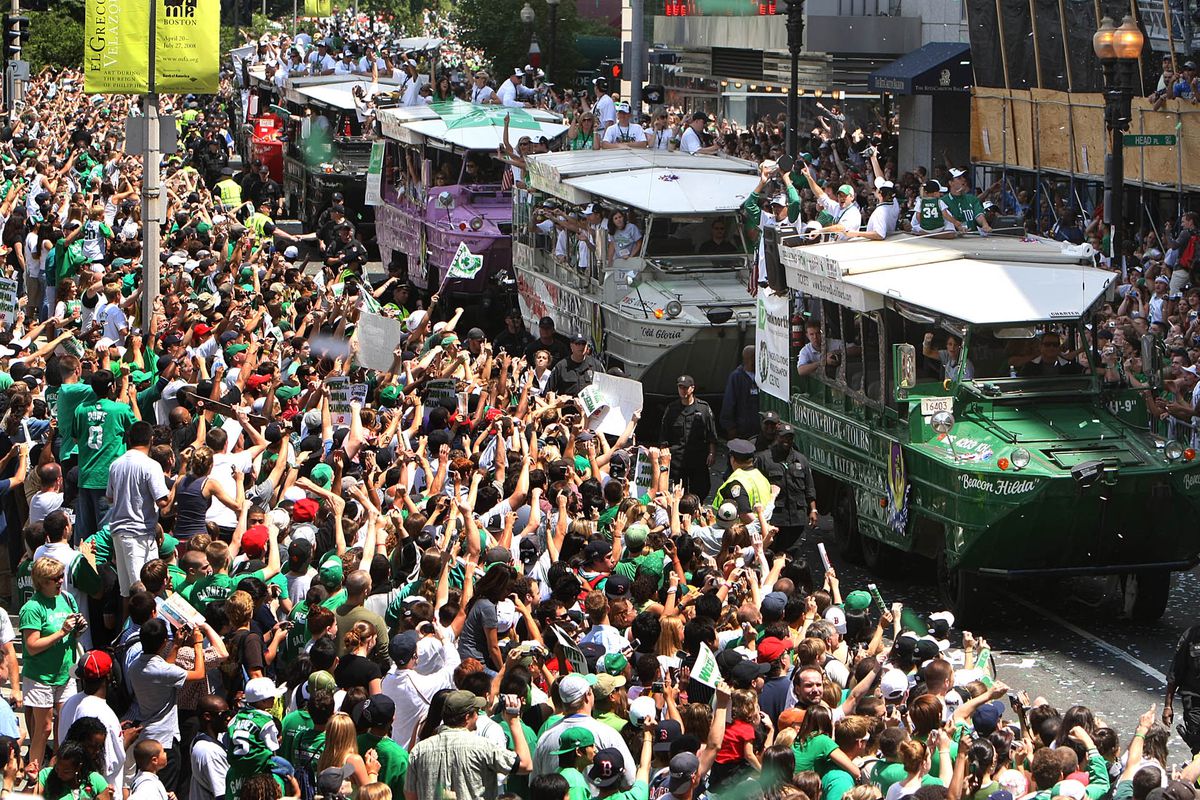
point(650, 563)
point(886, 774)
point(213, 588)
point(813, 754)
point(101, 427)
point(102, 542)
point(293, 725)
point(70, 396)
point(334, 600)
point(929, 214)
point(93, 786)
point(393, 760)
point(639, 791)
point(836, 783)
point(577, 785)
point(178, 577)
point(518, 784)
point(965, 208)
point(310, 743)
point(45, 615)
point(298, 635)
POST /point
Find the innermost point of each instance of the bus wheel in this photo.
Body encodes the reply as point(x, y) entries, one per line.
point(957, 588)
point(881, 558)
point(845, 525)
point(1150, 590)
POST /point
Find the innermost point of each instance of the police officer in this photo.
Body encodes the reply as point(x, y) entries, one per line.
point(229, 190)
point(768, 428)
point(1184, 677)
point(689, 428)
point(796, 504)
point(746, 487)
point(574, 373)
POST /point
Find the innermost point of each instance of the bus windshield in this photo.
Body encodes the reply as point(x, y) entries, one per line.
point(1017, 351)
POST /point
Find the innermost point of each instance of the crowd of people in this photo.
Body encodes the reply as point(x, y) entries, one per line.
point(231, 581)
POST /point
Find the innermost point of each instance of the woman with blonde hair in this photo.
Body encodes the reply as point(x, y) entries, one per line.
point(341, 751)
point(50, 623)
point(670, 637)
point(194, 493)
point(356, 667)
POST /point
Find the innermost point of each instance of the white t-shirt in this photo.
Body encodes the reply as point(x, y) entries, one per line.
point(210, 764)
point(42, 503)
point(690, 141)
point(224, 466)
point(659, 140)
point(298, 585)
point(849, 217)
point(507, 93)
point(35, 256)
point(618, 133)
point(605, 110)
point(86, 705)
point(482, 94)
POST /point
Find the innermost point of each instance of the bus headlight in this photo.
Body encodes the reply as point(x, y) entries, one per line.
point(1173, 450)
point(1019, 458)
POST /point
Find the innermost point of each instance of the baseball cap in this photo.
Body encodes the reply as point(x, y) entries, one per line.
point(476, 334)
point(403, 647)
point(608, 767)
point(685, 380)
point(683, 770)
point(616, 586)
point(614, 663)
point(376, 711)
point(772, 648)
point(574, 738)
point(836, 617)
point(330, 573)
point(169, 543)
point(578, 338)
point(304, 510)
point(987, 718)
point(665, 734)
point(260, 689)
point(642, 709)
point(622, 107)
point(575, 687)
point(606, 683)
point(322, 475)
point(1068, 788)
point(746, 671)
point(329, 782)
point(201, 329)
point(254, 540)
point(955, 172)
point(461, 702)
point(635, 537)
point(858, 600)
point(774, 603)
point(893, 685)
point(846, 189)
point(95, 665)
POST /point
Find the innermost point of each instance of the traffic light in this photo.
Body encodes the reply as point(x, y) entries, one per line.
point(616, 71)
point(652, 93)
point(16, 32)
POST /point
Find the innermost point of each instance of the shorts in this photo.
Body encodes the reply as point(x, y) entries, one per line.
point(131, 554)
point(42, 695)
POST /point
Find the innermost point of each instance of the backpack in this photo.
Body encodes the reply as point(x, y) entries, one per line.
point(118, 695)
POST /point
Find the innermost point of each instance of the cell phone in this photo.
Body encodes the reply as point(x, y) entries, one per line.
point(656, 687)
point(512, 703)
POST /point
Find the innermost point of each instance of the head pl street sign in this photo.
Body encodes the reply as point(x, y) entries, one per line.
point(1149, 139)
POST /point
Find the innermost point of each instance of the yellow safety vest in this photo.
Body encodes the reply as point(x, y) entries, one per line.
point(231, 193)
point(258, 223)
point(756, 485)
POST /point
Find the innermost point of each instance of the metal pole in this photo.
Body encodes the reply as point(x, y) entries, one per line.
point(295, 14)
point(151, 213)
point(15, 88)
point(551, 54)
point(795, 29)
point(637, 53)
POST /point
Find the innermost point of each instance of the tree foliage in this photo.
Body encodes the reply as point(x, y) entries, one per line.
point(494, 26)
point(55, 38)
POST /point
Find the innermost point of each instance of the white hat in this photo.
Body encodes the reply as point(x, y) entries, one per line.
point(893, 685)
point(279, 517)
point(590, 208)
point(190, 265)
point(778, 200)
point(881, 183)
point(518, 73)
point(305, 531)
point(98, 269)
point(291, 252)
point(836, 617)
point(294, 493)
point(1013, 780)
point(431, 656)
point(104, 343)
point(415, 319)
point(5, 352)
point(176, 261)
point(259, 689)
point(641, 709)
point(1162, 279)
point(1070, 788)
point(622, 107)
point(941, 187)
point(955, 172)
point(575, 687)
point(727, 514)
point(988, 204)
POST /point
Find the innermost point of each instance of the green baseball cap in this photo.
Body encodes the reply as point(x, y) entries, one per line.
point(635, 537)
point(322, 475)
point(287, 392)
point(858, 600)
point(234, 349)
point(614, 663)
point(330, 572)
point(321, 679)
point(846, 189)
point(167, 548)
point(574, 738)
point(390, 393)
point(141, 376)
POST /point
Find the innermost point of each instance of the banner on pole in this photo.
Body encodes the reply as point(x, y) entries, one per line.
point(374, 193)
point(116, 55)
point(771, 334)
point(187, 52)
point(465, 265)
point(318, 8)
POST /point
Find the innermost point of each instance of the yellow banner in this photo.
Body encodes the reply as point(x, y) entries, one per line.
point(187, 54)
point(116, 58)
point(318, 8)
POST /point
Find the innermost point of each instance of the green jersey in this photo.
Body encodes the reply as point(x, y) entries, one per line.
point(70, 397)
point(253, 738)
point(577, 785)
point(101, 427)
point(309, 745)
point(929, 214)
point(92, 786)
point(24, 582)
point(102, 541)
point(45, 615)
point(211, 589)
point(966, 208)
point(294, 724)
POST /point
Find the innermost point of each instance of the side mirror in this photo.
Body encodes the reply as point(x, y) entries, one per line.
point(904, 367)
point(1152, 360)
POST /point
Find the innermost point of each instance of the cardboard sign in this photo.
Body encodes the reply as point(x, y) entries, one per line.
point(8, 302)
point(339, 399)
point(572, 653)
point(705, 669)
point(377, 339)
point(622, 398)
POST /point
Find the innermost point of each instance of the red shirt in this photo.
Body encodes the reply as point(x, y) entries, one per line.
point(733, 746)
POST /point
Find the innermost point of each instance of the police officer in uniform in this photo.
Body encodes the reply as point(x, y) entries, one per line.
point(1184, 677)
point(796, 504)
point(746, 487)
point(767, 431)
point(229, 190)
point(574, 373)
point(689, 428)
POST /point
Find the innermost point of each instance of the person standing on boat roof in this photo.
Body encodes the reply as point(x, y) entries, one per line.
point(604, 107)
point(506, 95)
point(781, 209)
point(574, 373)
point(481, 92)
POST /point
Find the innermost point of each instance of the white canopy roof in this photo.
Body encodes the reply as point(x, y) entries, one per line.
point(480, 137)
point(976, 280)
point(653, 181)
point(417, 43)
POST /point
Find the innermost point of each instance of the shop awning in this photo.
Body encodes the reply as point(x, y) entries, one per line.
point(930, 69)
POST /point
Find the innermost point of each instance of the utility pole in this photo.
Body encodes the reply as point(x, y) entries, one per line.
point(795, 41)
point(16, 71)
point(151, 212)
point(637, 54)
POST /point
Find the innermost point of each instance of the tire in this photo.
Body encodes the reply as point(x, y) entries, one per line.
point(881, 558)
point(958, 590)
point(845, 525)
point(1151, 590)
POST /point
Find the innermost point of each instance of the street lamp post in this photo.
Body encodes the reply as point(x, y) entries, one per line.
point(552, 54)
point(1118, 50)
point(527, 19)
point(795, 35)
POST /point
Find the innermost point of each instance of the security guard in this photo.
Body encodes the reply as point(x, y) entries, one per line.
point(689, 429)
point(746, 487)
point(229, 190)
point(796, 504)
point(1184, 677)
point(265, 230)
point(767, 431)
